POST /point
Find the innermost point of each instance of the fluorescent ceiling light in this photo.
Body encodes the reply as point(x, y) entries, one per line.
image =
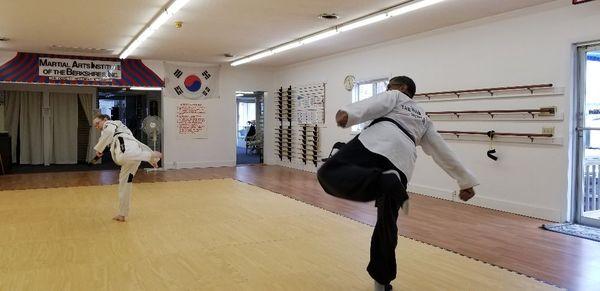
point(320, 36)
point(154, 25)
point(260, 55)
point(412, 7)
point(286, 47)
point(244, 92)
point(363, 22)
point(160, 20)
point(176, 5)
point(146, 88)
point(252, 58)
point(360, 22)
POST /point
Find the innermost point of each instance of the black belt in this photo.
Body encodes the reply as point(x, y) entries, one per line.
point(381, 119)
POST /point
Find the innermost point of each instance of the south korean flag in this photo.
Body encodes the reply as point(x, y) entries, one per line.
point(192, 82)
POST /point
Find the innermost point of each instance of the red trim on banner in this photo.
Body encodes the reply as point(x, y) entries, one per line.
point(24, 68)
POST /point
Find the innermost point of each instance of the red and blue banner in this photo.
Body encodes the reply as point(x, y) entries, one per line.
point(78, 70)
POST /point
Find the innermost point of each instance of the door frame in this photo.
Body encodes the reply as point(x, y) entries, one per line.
point(579, 128)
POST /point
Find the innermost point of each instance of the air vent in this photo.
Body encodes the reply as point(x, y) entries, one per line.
point(4, 38)
point(328, 16)
point(81, 50)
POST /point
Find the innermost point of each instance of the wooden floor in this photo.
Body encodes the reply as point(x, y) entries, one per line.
point(509, 241)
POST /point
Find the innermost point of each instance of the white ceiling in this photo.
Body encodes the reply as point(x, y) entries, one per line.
point(214, 27)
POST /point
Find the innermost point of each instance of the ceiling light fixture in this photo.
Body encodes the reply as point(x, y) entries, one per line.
point(408, 8)
point(154, 25)
point(363, 22)
point(356, 23)
point(319, 36)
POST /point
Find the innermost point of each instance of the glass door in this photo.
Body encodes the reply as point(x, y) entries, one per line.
point(588, 136)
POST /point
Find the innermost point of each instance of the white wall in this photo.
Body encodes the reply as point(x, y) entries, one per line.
point(219, 148)
point(529, 46)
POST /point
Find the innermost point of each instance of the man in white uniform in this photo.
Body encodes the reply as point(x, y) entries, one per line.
point(127, 152)
point(378, 163)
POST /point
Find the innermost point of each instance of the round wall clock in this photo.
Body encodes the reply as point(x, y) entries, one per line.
point(349, 82)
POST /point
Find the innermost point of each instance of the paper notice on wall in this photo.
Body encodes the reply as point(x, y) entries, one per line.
point(309, 104)
point(191, 120)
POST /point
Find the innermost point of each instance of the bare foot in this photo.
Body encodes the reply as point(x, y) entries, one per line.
point(119, 218)
point(155, 157)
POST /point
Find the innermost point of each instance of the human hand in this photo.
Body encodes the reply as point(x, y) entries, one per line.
point(466, 194)
point(341, 118)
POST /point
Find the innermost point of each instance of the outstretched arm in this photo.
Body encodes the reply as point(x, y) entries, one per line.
point(435, 146)
point(368, 109)
point(105, 138)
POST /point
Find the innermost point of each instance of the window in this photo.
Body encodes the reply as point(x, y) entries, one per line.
point(365, 90)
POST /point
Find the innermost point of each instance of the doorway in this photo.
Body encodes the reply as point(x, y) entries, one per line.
point(139, 110)
point(587, 201)
point(249, 127)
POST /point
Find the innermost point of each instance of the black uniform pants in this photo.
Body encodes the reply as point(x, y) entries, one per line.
point(355, 173)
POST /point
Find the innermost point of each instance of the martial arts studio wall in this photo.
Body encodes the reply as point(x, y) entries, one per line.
point(529, 46)
point(219, 146)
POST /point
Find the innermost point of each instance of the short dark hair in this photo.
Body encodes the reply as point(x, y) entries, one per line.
point(404, 80)
point(102, 116)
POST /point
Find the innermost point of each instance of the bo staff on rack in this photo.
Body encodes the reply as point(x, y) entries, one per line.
point(531, 136)
point(458, 93)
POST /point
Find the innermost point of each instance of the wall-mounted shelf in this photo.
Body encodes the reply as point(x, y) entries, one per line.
point(511, 137)
point(544, 111)
point(536, 90)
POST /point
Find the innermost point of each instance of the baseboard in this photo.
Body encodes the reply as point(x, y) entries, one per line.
point(206, 164)
point(491, 203)
point(517, 208)
point(430, 191)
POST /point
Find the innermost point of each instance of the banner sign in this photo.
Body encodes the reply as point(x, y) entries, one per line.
point(67, 69)
point(78, 70)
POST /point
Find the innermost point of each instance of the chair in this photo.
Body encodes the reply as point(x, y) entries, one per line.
point(255, 143)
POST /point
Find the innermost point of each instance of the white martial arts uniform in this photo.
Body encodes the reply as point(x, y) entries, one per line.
point(127, 152)
point(386, 139)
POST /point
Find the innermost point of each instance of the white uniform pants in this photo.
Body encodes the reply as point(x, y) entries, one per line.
point(129, 153)
point(128, 170)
